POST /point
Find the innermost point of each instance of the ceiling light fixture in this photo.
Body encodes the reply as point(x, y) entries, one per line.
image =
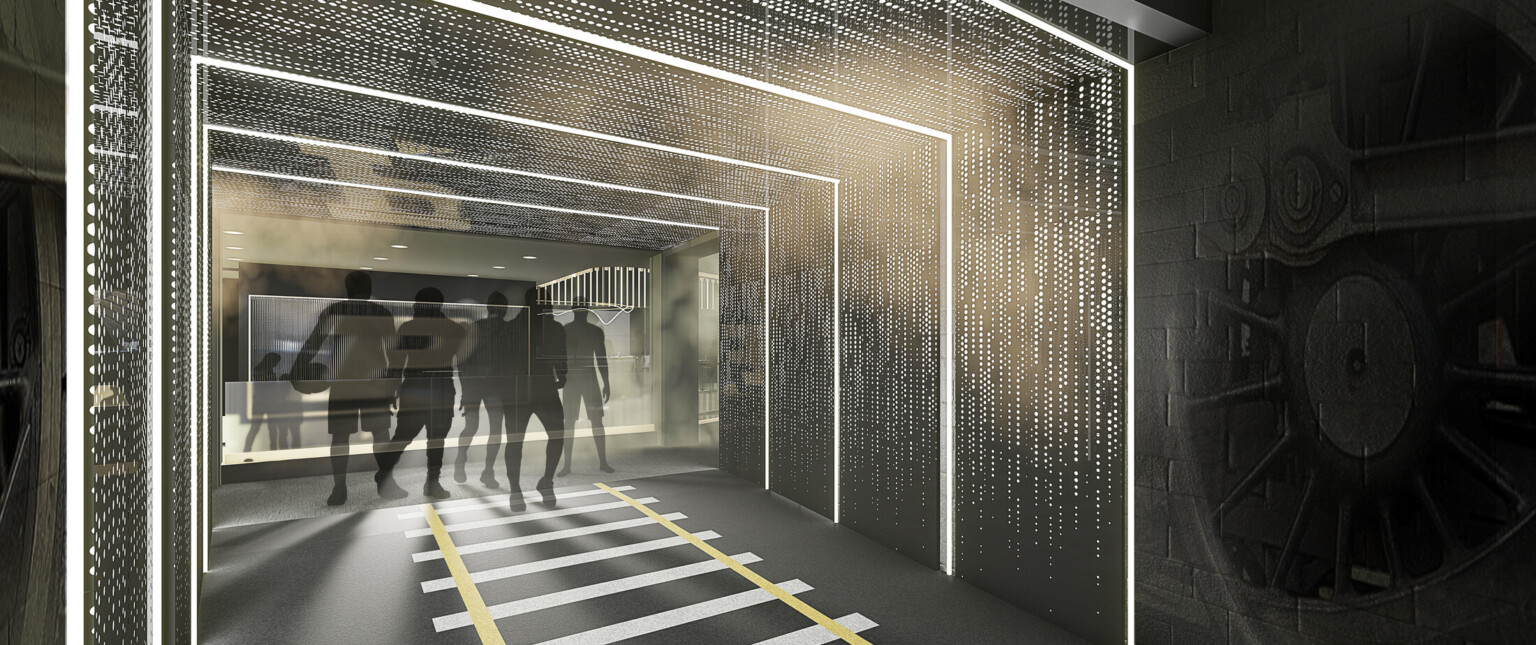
point(398, 246)
point(498, 267)
point(366, 268)
point(474, 275)
point(382, 259)
point(234, 232)
point(530, 257)
point(235, 248)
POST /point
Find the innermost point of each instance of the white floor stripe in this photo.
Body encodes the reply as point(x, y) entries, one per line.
point(569, 596)
point(498, 501)
point(501, 573)
point(680, 616)
point(818, 635)
point(526, 517)
point(547, 536)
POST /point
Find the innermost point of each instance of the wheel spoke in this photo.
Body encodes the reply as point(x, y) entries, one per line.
point(1484, 467)
point(1482, 377)
point(1343, 581)
point(1298, 529)
point(1390, 544)
point(1273, 326)
point(1257, 474)
point(1442, 530)
point(1240, 393)
point(1490, 282)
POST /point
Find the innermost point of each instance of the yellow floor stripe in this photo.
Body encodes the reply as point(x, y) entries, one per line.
point(789, 599)
point(484, 624)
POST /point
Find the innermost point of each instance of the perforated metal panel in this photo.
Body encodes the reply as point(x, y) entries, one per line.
point(800, 343)
point(1040, 454)
point(119, 344)
point(180, 286)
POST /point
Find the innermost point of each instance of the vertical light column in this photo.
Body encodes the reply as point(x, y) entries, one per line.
point(196, 382)
point(837, 366)
point(156, 43)
point(77, 472)
point(947, 360)
point(213, 388)
point(767, 353)
point(1130, 352)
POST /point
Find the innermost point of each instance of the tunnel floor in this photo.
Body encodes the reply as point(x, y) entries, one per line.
point(592, 567)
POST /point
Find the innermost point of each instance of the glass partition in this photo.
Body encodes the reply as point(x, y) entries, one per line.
point(273, 416)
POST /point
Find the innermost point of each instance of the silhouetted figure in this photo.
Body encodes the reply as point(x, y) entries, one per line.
point(589, 360)
point(425, 355)
point(541, 366)
point(486, 374)
point(361, 333)
point(264, 407)
point(288, 417)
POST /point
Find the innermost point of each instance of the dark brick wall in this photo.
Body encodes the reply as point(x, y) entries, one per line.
point(1335, 268)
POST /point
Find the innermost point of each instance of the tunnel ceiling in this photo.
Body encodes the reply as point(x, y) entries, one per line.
point(455, 57)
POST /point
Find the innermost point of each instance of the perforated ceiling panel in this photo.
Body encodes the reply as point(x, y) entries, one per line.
point(276, 197)
point(964, 146)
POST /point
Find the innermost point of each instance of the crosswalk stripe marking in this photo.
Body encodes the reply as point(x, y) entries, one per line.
point(789, 599)
point(569, 596)
point(680, 616)
point(547, 536)
point(525, 517)
point(477, 613)
point(818, 635)
point(501, 573)
point(494, 501)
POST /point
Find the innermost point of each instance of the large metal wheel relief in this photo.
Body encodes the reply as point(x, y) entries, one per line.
point(1364, 426)
point(30, 413)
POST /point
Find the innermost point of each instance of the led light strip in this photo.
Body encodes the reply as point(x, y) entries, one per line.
point(482, 200)
point(156, 289)
point(196, 381)
point(1130, 353)
point(1058, 32)
point(487, 114)
point(76, 472)
point(474, 166)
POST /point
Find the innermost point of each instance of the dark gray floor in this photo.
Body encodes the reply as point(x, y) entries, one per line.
point(351, 578)
point(635, 456)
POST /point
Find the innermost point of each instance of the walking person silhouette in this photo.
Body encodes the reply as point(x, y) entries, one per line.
point(485, 375)
point(539, 361)
point(360, 333)
point(264, 410)
point(589, 359)
point(425, 357)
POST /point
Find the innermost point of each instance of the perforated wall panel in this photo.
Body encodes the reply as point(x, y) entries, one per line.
point(800, 342)
point(180, 287)
point(743, 345)
point(890, 321)
point(118, 348)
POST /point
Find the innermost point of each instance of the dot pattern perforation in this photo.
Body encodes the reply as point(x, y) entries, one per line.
point(319, 161)
point(276, 197)
point(800, 342)
point(118, 345)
